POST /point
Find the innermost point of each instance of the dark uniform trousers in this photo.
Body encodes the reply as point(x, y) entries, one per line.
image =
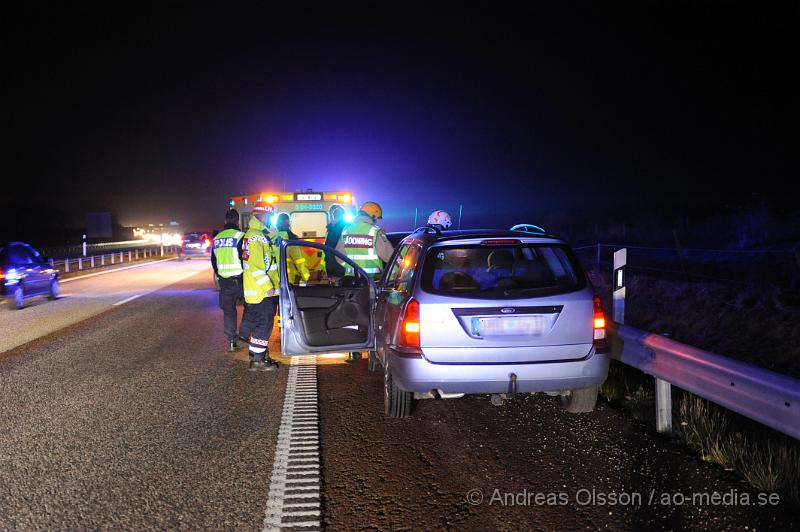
point(259, 317)
point(230, 293)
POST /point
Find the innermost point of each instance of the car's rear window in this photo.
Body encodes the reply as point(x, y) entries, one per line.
point(492, 272)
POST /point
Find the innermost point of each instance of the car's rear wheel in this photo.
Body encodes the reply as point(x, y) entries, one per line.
point(18, 298)
point(52, 295)
point(396, 402)
point(580, 401)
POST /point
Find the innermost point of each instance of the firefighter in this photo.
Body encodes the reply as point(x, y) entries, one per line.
point(366, 244)
point(226, 260)
point(296, 269)
point(259, 287)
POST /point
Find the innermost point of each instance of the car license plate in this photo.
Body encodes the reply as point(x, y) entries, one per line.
point(193, 245)
point(509, 326)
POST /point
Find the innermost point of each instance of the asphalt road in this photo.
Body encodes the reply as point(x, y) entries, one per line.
point(135, 417)
point(88, 295)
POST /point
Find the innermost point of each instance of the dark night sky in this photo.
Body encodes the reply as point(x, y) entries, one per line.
point(161, 113)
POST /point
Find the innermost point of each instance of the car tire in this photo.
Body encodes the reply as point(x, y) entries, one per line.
point(396, 402)
point(580, 401)
point(18, 298)
point(373, 364)
point(52, 294)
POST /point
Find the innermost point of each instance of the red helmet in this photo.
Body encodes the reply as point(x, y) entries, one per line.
point(262, 207)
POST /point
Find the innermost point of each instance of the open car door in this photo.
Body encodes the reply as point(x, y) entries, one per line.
point(321, 318)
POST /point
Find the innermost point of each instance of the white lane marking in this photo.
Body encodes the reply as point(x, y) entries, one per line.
point(62, 281)
point(296, 469)
point(127, 299)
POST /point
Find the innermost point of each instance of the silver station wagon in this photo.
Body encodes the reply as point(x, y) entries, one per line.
point(461, 312)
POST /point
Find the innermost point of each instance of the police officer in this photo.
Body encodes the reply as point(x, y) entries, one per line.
point(259, 286)
point(365, 243)
point(226, 259)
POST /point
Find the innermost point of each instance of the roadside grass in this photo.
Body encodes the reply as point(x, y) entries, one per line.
point(768, 460)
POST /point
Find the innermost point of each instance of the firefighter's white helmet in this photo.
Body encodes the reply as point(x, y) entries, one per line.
point(440, 218)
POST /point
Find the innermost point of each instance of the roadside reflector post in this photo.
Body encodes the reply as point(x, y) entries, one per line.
point(162, 250)
point(136, 253)
point(663, 407)
point(120, 256)
point(80, 263)
point(619, 281)
point(66, 265)
point(112, 258)
point(102, 260)
point(92, 261)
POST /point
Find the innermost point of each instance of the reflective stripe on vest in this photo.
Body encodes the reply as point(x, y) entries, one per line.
point(226, 253)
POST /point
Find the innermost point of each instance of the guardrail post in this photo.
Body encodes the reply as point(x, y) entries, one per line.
point(120, 256)
point(102, 260)
point(66, 265)
point(92, 261)
point(162, 251)
point(663, 406)
point(112, 258)
point(620, 260)
point(80, 263)
point(136, 253)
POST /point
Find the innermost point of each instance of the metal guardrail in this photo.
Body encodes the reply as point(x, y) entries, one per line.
point(101, 260)
point(759, 394)
point(76, 250)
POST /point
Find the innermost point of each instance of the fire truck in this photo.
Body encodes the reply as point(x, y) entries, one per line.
point(308, 211)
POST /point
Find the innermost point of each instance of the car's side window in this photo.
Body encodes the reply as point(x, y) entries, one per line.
point(34, 255)
point(406, 262)
point(391, 279)
point(19, 255)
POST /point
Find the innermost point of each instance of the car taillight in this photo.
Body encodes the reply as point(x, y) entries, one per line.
point(409, 326)
point(599, 324)
point(2, 274)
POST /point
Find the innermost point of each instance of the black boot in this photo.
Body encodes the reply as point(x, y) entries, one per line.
point(260, 365)
point(233, 346)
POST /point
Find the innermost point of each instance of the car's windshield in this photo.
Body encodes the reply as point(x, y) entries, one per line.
point(480, 271)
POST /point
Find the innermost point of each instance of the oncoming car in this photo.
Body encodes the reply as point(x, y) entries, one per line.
point(195, 245)
point(462, 312)
point(24, 273)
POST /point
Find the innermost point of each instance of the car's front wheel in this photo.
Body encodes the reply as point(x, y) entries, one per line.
point(52, 294)
point(580, 401)
point(396, 402)
point(18, 297)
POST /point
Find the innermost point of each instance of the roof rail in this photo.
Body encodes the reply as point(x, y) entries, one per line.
point(429, 229)
point(529, 228)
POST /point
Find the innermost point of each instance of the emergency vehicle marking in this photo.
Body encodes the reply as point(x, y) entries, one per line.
point(359, 241)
